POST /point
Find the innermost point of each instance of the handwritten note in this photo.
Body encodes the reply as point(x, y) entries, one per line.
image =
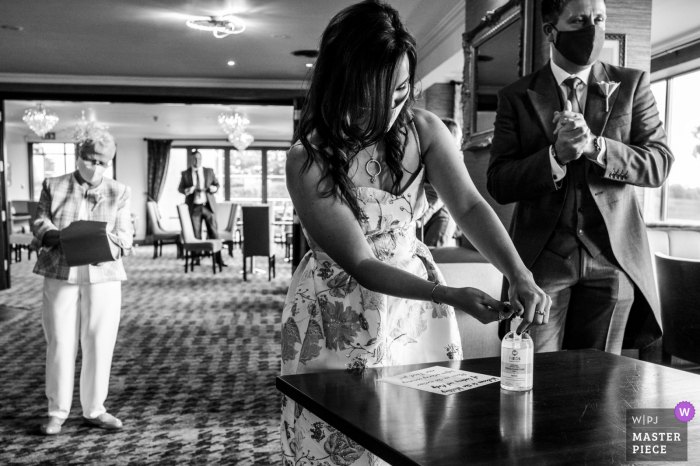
point(441, 380)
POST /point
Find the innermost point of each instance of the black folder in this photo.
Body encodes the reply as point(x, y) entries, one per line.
point(86, 242)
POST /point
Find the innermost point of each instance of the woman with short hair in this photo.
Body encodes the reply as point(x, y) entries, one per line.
point(82, 304)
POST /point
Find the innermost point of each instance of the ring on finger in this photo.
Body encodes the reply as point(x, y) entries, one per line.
point(540, 312)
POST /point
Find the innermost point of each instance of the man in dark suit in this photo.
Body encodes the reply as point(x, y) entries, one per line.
point(199, 184)
point(570, 143)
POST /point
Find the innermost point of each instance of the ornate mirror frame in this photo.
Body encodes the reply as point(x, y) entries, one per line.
point(491, 24)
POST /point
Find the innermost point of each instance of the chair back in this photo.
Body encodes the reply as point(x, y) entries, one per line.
point(679, 293)
point(226, 216)
point(186, 223)
point(32, 206)
point(152, 214)
point(233, 218)
point(22, 209)
point(257, 230)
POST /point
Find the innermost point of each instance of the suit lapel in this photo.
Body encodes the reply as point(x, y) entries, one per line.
point(595, 114)
point(546, 98)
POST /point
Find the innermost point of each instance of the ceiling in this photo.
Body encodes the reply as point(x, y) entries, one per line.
point(149, 38)
point(674, 23)
point(147, 42)
point(267, 123)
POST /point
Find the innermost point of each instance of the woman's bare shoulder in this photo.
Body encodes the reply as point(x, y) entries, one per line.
point(302, 167)
point(425, 121)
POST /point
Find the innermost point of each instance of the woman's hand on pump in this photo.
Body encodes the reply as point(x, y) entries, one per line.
point(474, 302)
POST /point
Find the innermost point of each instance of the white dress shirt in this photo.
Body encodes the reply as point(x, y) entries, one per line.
point(200, 197)
point(560, 75)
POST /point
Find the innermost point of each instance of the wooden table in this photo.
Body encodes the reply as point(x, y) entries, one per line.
point(574, 415)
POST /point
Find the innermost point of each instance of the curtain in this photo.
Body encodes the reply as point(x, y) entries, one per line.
point(158, 158)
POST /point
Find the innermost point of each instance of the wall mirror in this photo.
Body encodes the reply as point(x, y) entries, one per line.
point(497, 52)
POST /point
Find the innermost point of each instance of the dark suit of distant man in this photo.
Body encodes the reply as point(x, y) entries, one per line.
point(570, 161)
point(199, 184)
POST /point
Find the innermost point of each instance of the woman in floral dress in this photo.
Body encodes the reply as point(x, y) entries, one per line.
point(368, 288)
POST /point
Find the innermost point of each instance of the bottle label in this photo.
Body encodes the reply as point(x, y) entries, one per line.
point(516, 365)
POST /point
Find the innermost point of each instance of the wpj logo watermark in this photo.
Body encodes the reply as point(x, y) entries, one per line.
point(659, 434)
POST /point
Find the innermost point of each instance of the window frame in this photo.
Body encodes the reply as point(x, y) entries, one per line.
point(667, 123)
point(227, 164)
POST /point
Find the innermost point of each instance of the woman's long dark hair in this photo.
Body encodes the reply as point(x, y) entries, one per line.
point(352, 82)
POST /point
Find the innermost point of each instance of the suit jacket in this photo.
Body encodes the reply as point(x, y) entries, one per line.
point(59, 206)
point(637, 155)
point(187, 181)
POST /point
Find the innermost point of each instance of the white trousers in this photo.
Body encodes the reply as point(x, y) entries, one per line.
point(88, 314)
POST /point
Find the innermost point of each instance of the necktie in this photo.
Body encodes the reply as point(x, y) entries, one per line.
point(198, 186)
point(573, 83)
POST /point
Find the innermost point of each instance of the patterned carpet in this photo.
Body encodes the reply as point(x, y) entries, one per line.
point(193, 373)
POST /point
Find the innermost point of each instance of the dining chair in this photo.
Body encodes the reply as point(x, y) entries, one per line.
point(679, 293)
point(22, 215)
point(160, 235)
point(194, 247)
point(257, 237)
point(227, 220)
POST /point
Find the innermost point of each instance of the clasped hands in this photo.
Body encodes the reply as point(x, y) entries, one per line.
point(212, 189)
point(574, 139)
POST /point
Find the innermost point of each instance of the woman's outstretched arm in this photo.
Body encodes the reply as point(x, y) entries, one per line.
point(333, 226)
point(448, 175)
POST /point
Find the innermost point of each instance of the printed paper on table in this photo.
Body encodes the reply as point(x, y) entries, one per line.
point(441, 380)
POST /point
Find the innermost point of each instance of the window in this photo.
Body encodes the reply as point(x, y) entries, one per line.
point(246, 185)
point(178, 162)
point(49, 159)
point(240, 174)
point(277, 194)
point(678, 201)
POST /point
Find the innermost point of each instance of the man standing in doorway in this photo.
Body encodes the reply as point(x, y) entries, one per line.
point(570, 143)
point(199, 184)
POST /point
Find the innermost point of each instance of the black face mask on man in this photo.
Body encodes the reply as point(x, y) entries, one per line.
point(581, 47)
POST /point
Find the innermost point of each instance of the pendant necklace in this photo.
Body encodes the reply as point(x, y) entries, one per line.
point(375, 164)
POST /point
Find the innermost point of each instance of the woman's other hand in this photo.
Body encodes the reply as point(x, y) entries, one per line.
point(477, 304)
point(51, 238)
point(529, 301)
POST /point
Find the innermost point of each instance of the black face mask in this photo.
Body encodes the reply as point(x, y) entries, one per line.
point(581, 47)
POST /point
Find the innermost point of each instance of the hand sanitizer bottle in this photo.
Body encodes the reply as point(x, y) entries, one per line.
point(517, 354)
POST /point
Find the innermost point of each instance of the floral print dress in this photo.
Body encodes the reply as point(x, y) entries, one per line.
point(328, 319)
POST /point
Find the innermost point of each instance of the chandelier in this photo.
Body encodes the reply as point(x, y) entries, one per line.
point(234, 125)
point(221, 26)
point(85, 130)
point(40, 120)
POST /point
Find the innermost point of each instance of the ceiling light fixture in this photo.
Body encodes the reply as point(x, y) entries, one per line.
point(231, 63)
point(309, 65)
point(235, 125)
point(86, 129)
point(40, 120)
point(221, 26)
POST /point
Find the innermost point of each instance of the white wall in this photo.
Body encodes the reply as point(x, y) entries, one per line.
point(132, 169)
point(18, 159)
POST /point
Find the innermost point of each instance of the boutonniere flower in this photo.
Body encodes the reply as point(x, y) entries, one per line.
point(607, 89)
point(96, 197)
